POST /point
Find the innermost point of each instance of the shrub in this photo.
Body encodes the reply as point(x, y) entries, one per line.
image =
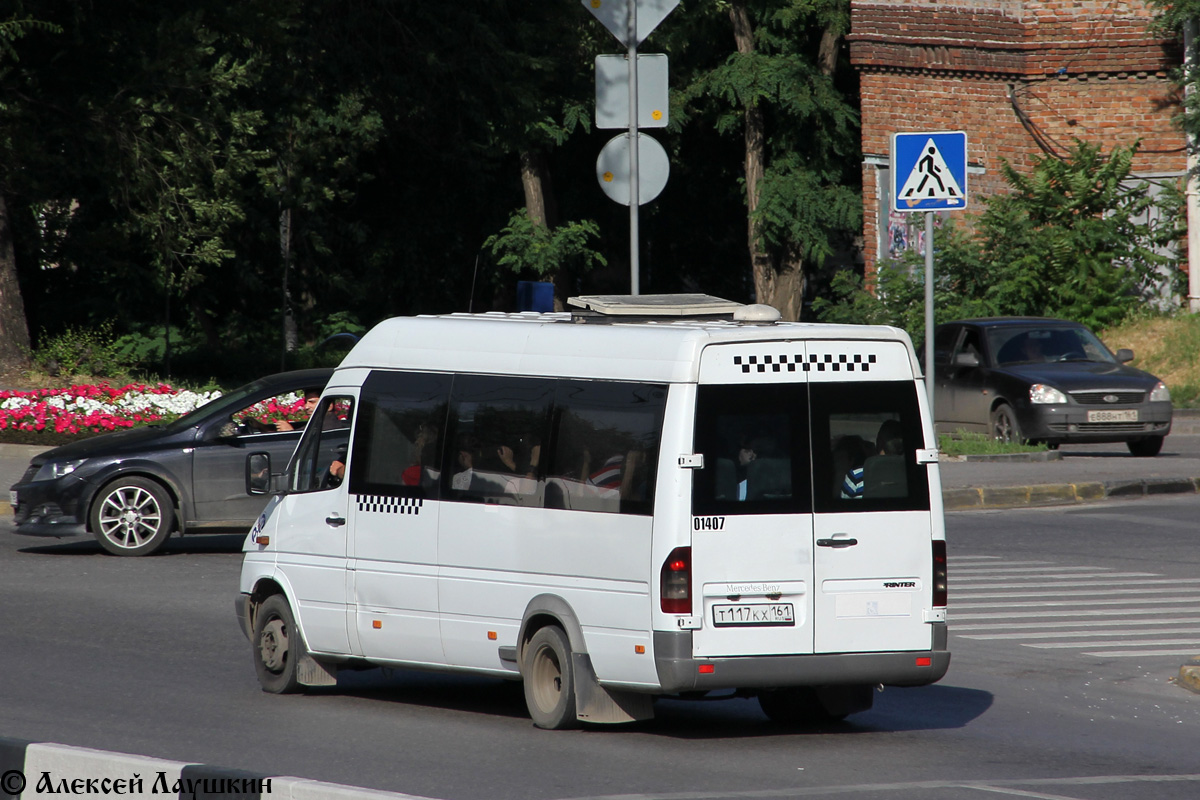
point(82, 351)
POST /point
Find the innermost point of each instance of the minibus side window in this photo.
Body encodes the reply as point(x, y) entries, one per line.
point(498, 428)
point(754, 439)
point(605, 446)
point(398, 438)
point(321, 456)
point(865, 438)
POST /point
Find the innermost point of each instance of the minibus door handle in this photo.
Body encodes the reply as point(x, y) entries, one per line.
point(335, 520)
point(836, 542)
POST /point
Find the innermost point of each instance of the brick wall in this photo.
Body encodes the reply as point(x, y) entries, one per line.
point(1086, 69)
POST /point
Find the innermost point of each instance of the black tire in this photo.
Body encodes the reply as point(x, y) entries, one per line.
point(132, 516)
point(806, 705)
point(1004, 425)
point(277, 646)
point(550, 680)
point(796, 706)
point(1146, 447)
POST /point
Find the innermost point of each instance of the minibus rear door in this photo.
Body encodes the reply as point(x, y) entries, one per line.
point(873, 524)
point(752, 541)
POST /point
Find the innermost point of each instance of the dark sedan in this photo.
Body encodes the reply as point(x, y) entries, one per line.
point(1044, 380)
point(132, 488)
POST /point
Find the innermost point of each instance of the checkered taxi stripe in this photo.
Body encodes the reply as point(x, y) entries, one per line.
point(790, 363)
point(386, 504)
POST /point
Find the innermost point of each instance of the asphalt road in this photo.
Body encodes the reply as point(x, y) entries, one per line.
point(144, 656)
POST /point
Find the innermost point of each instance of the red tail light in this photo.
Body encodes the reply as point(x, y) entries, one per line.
point(940, 579)
point(675, 582)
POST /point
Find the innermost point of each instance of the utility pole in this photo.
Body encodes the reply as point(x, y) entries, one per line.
point(1193, 164)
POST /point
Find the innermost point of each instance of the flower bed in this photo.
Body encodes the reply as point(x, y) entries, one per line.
point(83, 410)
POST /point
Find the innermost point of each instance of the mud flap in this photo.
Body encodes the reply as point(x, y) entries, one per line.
point(594, 703)
point(311, 672)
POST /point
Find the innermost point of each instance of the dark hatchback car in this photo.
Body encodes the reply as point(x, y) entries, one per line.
point(133, 488)
point(1044, 380)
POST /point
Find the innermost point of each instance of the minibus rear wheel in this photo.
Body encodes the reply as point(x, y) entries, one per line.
point(277, 646)
point(550, 680)
point(806, 704)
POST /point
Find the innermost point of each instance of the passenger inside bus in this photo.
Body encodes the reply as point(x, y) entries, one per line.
point(883, 474)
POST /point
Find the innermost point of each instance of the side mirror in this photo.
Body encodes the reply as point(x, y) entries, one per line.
point(966, 358)
point(258, 473)
point(1124, 355)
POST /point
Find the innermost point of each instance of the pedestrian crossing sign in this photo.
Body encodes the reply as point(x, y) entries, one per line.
point(929, 171)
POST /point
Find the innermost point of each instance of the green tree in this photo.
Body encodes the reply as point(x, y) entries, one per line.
point(533, 249)
point(1071, 239)
point(799, 131)
point(14, 325)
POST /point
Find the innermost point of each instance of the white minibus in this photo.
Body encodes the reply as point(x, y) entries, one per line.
point(645, 496)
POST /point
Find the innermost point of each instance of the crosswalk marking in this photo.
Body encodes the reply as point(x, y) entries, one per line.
point(1018, 620)
point(1089, 592)
point(1025, 626)
point(1084, 584)
point(1094, 611)
point(1166, 629)
point(1128, 601)
point(1193, 642)
point(992, 577)
point(1020, 571)
point(1145, 654)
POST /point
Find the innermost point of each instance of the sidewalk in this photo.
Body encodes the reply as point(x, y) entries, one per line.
point(1075, 473)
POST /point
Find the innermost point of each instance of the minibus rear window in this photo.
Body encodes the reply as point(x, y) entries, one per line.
point(865, 439)
point(754, 438)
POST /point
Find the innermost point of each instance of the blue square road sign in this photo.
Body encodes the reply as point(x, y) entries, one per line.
point(929, 171)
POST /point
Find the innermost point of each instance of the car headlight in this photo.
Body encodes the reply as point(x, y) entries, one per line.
point(1041, 394)
point(1160, 393)
point(53, 470)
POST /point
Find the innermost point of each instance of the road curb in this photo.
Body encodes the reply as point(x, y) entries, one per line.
point(1037, 456)
point(37, 768)
point(985, 497)
point(1189, 675)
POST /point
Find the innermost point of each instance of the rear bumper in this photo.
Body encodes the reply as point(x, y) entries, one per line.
point(679, 671)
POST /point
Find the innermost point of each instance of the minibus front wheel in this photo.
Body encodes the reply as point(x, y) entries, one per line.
point(277, 646)
point(550, 680)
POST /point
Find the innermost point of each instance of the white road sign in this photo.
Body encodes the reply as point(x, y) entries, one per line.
point(612, 169)
point(614, 15)
point(612, 91)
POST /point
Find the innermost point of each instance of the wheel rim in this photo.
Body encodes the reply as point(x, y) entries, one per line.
point(130, 517)
point(1003, 429)
point(273, 646)
point(547, 679)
